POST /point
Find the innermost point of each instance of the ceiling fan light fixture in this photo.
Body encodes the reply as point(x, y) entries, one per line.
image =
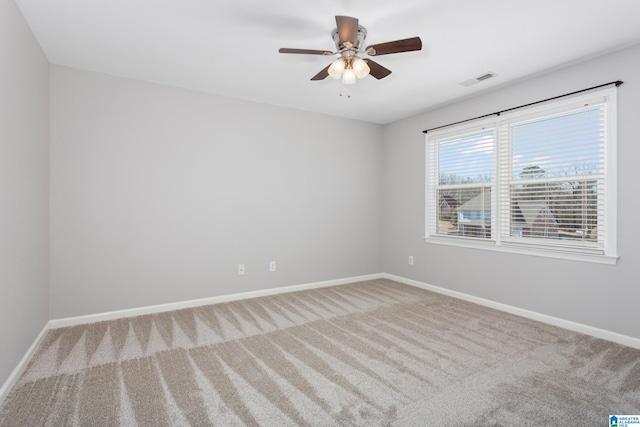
point(349, 76)
point(336, 69)
point(360, 67)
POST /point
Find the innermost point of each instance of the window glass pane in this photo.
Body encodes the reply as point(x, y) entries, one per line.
point(466, 159)
point(559, 146)
point(566, 210)
point(465, 212)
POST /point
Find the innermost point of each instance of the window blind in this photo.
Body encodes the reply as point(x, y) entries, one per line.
point(552, 180)
point(462, 183)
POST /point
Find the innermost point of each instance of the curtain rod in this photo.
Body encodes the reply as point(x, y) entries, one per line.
point(497, 113)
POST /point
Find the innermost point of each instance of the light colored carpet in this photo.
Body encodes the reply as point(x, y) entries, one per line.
point(369, 353)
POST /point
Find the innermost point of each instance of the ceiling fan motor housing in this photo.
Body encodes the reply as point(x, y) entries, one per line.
point(362, 35)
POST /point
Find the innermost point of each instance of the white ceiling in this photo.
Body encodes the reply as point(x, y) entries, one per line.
point(230, 48)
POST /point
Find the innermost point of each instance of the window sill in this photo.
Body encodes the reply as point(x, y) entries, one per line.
point(512, 249)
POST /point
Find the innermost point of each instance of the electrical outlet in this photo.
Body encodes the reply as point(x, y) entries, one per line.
point(240, 269)
point(410, 260)
point(272, 266)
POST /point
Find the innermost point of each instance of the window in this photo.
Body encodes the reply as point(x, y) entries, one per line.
point(538, 181)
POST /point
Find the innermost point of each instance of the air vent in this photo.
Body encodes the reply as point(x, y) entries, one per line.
point(478, 79)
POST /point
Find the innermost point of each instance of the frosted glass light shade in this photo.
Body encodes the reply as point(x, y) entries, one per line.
point(336, 69)
point(349, 76)
point(360, 67)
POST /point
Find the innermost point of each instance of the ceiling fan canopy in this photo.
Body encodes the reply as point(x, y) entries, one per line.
point(349, 38)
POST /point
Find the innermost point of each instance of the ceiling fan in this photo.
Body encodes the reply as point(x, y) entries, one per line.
point(349, 38)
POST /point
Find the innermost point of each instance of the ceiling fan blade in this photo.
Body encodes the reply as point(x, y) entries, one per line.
point(305, 51)
point(347, 30)
point(405, 45)
point(323, 74)
point(377, 70)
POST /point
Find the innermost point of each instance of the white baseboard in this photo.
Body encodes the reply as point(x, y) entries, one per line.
point(555, 321)
point(22, 365)
point(111, 315)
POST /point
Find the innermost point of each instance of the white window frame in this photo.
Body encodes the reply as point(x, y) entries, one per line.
point(608, 254)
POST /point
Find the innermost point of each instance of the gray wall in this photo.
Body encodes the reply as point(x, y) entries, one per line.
point(597, 295)
point(157, 193)
point(24, 188)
